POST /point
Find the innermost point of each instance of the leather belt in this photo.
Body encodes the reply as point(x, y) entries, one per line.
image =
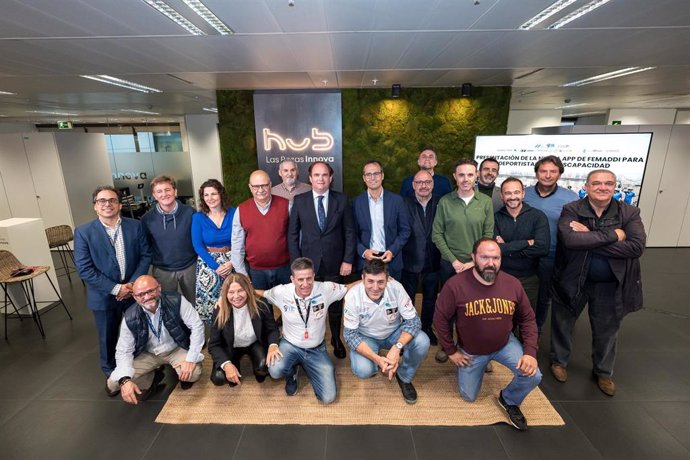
point(223, 250)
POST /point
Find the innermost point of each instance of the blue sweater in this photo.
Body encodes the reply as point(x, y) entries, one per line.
point(551, 205)
point(205, 234)
point(170, 238)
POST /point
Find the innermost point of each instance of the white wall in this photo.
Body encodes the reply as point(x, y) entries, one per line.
point(642, 116)
point(522, 121)
point(204, 148)
point(17, 127)
point(683, 117)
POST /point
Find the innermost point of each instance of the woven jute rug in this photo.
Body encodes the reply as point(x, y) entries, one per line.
point(374, 401)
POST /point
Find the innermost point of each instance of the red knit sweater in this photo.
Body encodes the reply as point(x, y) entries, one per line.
point(265, 235)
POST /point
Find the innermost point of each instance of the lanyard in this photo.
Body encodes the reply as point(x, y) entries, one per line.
point(160, 325)
point(305, 320)
point(113, 239)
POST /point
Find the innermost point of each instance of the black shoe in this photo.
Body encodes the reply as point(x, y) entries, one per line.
point(158, 376)
point(338, 348)
point(291, 384)
point(514, 414)
point(432, 337)
point(408, 391)
point(186, 385)
point(110, 392)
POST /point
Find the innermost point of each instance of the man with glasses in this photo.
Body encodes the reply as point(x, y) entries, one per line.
point(427, 162)
point(161, 328)
point(110, 252)
point(381, 222)
point(598, 264)
point(421, 259)
point(259, 235)
point(168, 227)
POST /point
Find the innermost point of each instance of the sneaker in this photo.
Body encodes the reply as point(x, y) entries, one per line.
point(489, 368)
point(606, 385)
point(291, 385)
point(559, 372)
point(186, 385)
point(441, 356)
point(408, 390)
point(514, 414)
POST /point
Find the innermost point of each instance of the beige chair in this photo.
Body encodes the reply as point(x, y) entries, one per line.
point(59, 238)
point(8, 265)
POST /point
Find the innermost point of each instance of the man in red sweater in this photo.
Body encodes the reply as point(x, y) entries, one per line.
point(483, 302)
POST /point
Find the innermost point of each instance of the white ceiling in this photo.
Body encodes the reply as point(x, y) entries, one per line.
point(46, 44)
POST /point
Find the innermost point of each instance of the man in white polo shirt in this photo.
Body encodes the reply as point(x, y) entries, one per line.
point(379, 314)
point(304, 305)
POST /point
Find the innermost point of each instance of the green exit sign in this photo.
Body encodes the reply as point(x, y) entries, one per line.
point(64, 124)
point(616, 122)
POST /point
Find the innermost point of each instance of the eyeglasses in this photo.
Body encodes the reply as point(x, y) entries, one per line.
point(143, 295)
point(424, 182)
point(371, 175)
point(259, 186)
point(111, 201)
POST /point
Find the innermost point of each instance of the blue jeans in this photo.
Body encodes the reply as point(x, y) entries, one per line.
point(414, 354)
point(470, 377)
point(266, 279)
point(316, 364)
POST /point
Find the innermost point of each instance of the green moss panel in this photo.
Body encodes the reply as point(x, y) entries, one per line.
point(375, 126)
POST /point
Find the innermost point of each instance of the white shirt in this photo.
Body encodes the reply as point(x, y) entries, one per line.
point(378, 320)
point(118, 242)
point(124, 351)
point(378, 234)
point(322, 296)
point(244, 330)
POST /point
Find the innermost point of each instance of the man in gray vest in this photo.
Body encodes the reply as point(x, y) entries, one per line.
point(161, 328)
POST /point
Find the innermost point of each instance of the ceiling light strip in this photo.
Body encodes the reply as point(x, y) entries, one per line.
point(546, 13)
point(144, 112)
point(121, 83)
point(608, 76)
point(211, 109)
point(206, 14)
point(7, 93)
point(174, 16)
point(588, 8)
point(47, 112)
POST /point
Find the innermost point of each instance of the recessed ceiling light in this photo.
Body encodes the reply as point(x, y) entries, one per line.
point(211, 109)
point(122, 83)
point(145, 112)
point(607, 76)
point(49, 112)
point(591, 6)
point(375, 81)
point(568, 106)
point(174, 16)
point(206, 14)
point(7, 93)
point(546, 13)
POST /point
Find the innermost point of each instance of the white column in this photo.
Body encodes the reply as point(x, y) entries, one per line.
point(204, 148)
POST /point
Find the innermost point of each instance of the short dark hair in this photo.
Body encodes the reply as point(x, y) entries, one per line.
point(330, 169)
point(490, 159)
point(373, 162)
point(163, 179)
point(512, 179)
point(301, 263)
point(479, 242)
point(464, 161)
point(213, 183)
point(597, 171)
point(374, 267)
point(427, 147)
point(550, 159)
point(102, 188)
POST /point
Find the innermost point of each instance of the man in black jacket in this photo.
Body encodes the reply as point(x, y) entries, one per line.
point(421, 258)
point(522, 233)
point(597, 263)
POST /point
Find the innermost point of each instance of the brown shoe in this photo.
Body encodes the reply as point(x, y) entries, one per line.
point(441, 356)
point(559, 372)
point(606, 385)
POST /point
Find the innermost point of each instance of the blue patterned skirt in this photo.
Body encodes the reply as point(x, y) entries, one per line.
point(208, 285)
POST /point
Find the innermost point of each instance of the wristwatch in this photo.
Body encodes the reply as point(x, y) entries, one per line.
point(124, 380)
point(399, 346)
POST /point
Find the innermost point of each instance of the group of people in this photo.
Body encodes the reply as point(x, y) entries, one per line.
point(489, 260)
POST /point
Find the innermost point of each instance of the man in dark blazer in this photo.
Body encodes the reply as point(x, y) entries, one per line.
point(381, 222)
point(329, 240)
point(110, 253)
point(421, 258)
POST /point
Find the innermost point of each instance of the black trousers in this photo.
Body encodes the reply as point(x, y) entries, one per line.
point(257, 354)
point(335, 311)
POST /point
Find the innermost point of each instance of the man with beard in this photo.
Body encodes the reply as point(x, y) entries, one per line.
point(290, 187)
point(488, 172)
point(483, 302)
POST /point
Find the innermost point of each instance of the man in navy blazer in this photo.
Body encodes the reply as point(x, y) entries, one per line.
point(381, 222)
point(110, 253)
point(329, 240)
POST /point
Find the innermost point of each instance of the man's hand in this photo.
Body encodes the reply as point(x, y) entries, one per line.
point(129, 392)
point(383, 363)
point(460, 359)
point(393, 357)
point(461, 267)
point(224, 270)
point(578, 227)
point(273, 356)
point(345, 269)
point(500, 240)
point(621, 234)
point(184, 370)
point(387, 256)
point(232, 374)
point(125, 291)
point(530, 242)
point(527, 365)
point(370, 254)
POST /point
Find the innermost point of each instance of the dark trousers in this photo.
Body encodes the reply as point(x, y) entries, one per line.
point(430, 281)
point(335, 311)
point(445, 272)
point(257, 354)
point(545, 274)
point(108, 328)
point(267, 279)
point(601, 300)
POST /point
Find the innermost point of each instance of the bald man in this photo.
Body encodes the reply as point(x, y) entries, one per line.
point(259, 235)
point(160, 328)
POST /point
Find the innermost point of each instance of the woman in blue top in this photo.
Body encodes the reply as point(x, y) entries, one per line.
point(211, 236)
